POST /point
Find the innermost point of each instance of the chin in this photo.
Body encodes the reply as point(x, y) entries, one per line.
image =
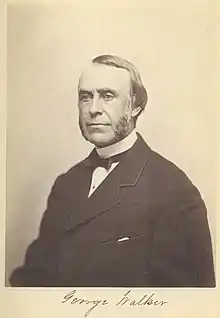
point(101, 140)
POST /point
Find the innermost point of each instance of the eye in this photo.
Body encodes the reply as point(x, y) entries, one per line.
point(85, 97)
point(108, 97)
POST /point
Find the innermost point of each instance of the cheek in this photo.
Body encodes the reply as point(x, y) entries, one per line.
point(117, 110)
point(83, 113)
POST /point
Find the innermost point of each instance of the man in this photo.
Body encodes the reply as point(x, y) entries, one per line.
point(124, 216)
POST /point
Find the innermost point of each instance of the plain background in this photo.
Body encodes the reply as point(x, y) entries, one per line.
point(174, 50)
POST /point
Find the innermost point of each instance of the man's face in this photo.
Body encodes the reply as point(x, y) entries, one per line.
point(105, 104)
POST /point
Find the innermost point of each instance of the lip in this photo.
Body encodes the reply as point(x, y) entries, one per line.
point(97, 124)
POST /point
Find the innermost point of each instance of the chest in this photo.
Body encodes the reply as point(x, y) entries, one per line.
point(111, 228)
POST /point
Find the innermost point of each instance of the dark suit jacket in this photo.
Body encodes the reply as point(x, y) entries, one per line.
point(145, 198)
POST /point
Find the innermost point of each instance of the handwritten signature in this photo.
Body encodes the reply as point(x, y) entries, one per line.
point(126, 300)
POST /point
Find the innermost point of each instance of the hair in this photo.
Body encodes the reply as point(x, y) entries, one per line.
point(137, 86)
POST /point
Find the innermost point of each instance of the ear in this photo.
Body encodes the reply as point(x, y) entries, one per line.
point(135, 111)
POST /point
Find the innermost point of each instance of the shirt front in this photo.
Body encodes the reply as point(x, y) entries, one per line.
point(100, 173)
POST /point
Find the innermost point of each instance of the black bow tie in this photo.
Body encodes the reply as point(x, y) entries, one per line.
point(96, 161)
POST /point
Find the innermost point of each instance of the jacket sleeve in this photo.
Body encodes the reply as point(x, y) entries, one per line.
point(40, 263)
point(181, 254)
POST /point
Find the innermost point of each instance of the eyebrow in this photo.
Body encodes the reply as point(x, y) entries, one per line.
point(84, 91)
point(99, 90)
point(105, 90)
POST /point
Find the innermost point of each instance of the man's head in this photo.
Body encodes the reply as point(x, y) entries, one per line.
point(110, 98)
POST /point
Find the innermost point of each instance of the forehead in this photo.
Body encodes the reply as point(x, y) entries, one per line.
point(97, 76)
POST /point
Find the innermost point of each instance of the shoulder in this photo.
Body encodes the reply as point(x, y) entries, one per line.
point(159, 170)
point(72, 176)
point(169, 180)
point(165, 168)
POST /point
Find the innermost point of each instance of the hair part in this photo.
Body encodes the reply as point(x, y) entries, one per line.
point(137, 87)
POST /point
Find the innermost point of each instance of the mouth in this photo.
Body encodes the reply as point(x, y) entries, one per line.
point(97, 124)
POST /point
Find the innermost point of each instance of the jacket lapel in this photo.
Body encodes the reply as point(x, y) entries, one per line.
point(108, 194)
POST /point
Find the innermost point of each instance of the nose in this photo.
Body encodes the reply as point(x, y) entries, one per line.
point(95, 106)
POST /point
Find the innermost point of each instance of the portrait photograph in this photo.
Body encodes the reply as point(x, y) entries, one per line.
point(110, 148)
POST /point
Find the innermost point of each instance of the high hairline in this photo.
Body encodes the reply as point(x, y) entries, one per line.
point(113, 60)
point(138, 88)
point(118, 62)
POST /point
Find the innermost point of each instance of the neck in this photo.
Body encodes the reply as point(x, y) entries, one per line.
point(119, 146)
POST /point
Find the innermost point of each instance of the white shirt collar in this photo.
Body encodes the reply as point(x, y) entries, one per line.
point(118, 147)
